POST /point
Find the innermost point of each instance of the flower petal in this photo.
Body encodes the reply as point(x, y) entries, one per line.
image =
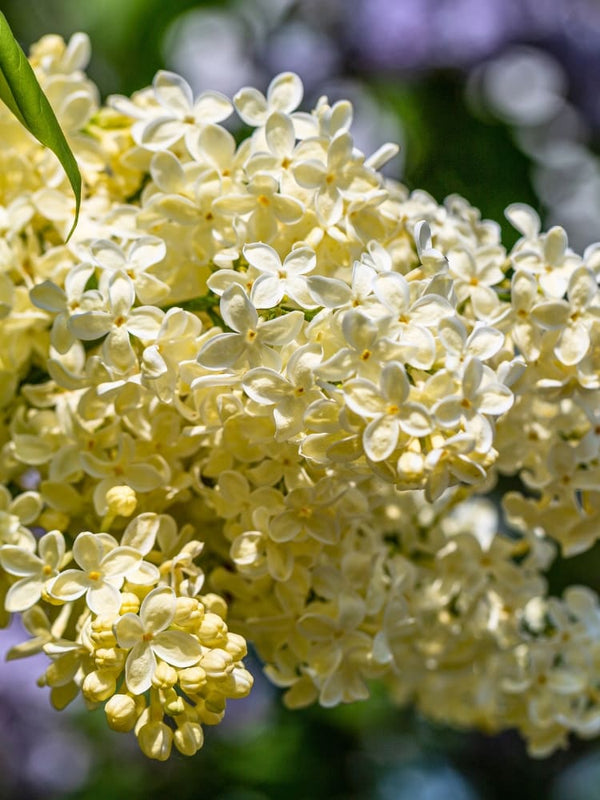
point(139, 668)
point(264, 386)
point(573, 344)
point(119, 561)
point(69, 585)
point(212, 107)
point(158, 609)
point(414, 419)
point(18, 561)
point(236, 309)
point(128, 630)
point(23, 594)
point(88, 551)
point(173, 92)
point(279, 132)
point(104, 599)
point(285, 92)
point(394, 383)
point(251, 105)
point(177, 648)
point(363, 397)
point(381, 437)
point(141, 532)
point(267, 291)
point(262, 257)
point(222, 351)
point(282, 330)
point(52, 548)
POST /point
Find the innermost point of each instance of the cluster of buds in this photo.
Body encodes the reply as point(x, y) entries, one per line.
point(128, 633)
point(262, 382)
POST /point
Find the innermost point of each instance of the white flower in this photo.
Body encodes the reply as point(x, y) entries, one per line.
point(34, 571)
point(574, 319)
point(280, 140)
point(277, 279)
point(111, 314)
point(549, 259)
point(267, 207)
point(289, 395)
point(178, 115)
point(480, 396)
point(483, 342)
point(331, 177)
point(103, 571)
point(388, 409)
point(413, 316)
point(144, 253)
point(283, 94)
point(524, 296)
point(474, 276)
point(147, 637)
point(367, 349)
point(252, 339)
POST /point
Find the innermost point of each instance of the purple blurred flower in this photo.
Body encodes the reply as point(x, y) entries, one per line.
point(41, 754)
point(415, 34)
point(300, 48)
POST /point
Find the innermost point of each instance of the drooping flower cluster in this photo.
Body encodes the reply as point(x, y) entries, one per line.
point(264, 384)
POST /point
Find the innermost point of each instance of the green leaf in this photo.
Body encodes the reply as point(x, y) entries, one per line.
point(24, 97)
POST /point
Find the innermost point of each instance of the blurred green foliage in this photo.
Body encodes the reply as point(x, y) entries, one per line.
point(450, 151)
point(349, 753)
point(126, 34)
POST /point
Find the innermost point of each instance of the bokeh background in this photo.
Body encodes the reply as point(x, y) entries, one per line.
point(497, 100)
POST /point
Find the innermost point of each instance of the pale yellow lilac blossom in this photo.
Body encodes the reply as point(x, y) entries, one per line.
point(102, 570)
point(33, 571)
point(261, 396)
point(148, 636)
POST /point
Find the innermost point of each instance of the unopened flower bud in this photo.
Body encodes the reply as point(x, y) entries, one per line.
point(236, 646)
point(192, 679)
point(215, 703)
point(210, 714)
point(102, 634)
point(189, 612)
point(130, 603)
point(215, 604)
point(212, 630)
point(189, 738)
point(216, 662)
point(242, 682)
point(121, 712)
point(155, 740)
point(172, 703)
point(98, 685)
point(164, 676)
point(121, 501)
point(109, 658)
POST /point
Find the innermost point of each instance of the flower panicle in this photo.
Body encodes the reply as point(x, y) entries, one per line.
point(261, 396)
